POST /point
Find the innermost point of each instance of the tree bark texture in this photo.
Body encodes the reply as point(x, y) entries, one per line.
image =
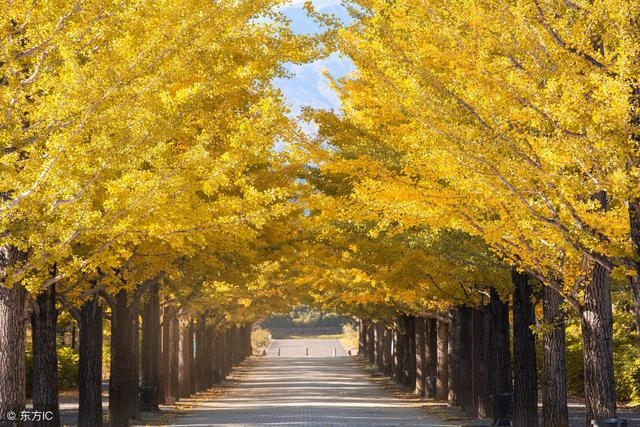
point(122, 357)
point(421, 356)
point(465, 392)
point(192, 364)
point(380, 330)
point(170, 338)
point(442, 374)
point(90, 366)
point(186, 349)
point(555, 412)
point(174, 356)
point(151, 351)
point(387, 358)
point(12, 337)
point(362, 337)
point(134, 367)
point(502, 348)
point(525, 411)
point(45, 359)
point(460, 390)
point(597, 343)
point(371, 349)
point(487, 365)
point(410, 374)
point(200, 329)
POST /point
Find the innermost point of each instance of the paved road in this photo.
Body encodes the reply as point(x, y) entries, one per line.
point(296, 390)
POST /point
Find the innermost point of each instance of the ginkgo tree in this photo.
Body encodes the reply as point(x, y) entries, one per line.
point(514, 123)
point(133, 130)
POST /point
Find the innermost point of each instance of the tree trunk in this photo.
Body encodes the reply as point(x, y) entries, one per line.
point(362, 337)
point(90, 366)
point(431, 347)
point(555, 412)
point(193, 372)
point(151, 351)
point(209, 351)
point(12, 336)
point(174, 356)
point(169, 375)
point(465, 391)
point(380, 346)
point(186, 349)
point(442, 374)
point(525, 411)
point(597, 341)
point(410, 357)
point(134, 365)
point(219, 356)
point(396, 353)
point(387, 358)
point(121, 359)
point(45, 359)
point(502, 347)
point(371, 342)
point(487, 365)
point(228, 344)
point(421, 356)
point(477, 384)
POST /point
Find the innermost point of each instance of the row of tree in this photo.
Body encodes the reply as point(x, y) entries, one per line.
point(136, 149)
point(482, 146)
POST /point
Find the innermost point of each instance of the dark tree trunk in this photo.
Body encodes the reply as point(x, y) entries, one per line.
point(134, 366)
point(228, 343)
point(442, 374)
point(174, 356)
point(465, 392)
point(410, 379)
point(218, 355)
point(387, 357)
point(121, 360)
point(200, 329)
point(209, 351)
point(555, 412)
point(380, 346)
point(12, 337)
point(186, 349)
point(525, 411)
point(421, 355)
point(151, 351)
point(193, 373)
point(487, 365)
point(402, 347)
point(90, 369)
point(502, 347)
point(396, 356)
point(431, 347)
point(460, 387)
point(477, 384)
point(597, 342)
point(362, 337)
point(249, 343)
point(169, 376)
point(45, 359)
point(371, 342)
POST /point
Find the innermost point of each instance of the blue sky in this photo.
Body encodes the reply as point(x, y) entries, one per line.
point(308, 86)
